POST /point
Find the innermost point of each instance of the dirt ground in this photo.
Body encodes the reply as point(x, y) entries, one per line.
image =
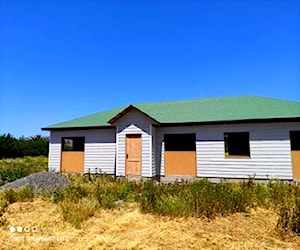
point(127, 228)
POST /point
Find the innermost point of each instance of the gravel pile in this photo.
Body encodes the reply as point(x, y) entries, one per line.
point(42, 181)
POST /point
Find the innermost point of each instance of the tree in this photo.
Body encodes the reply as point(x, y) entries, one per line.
point(9, 146)
point(36, 145)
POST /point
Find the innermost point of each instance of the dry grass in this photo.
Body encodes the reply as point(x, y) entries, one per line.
point(127, 228)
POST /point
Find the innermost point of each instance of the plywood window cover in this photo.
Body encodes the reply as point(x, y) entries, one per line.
point(180, 154)
point(295, 153)
point(72, 161)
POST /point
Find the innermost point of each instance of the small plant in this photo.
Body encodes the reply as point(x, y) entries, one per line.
point(77, 212)
point(13, 169)
point(25, 193)
point(198, 198)
point(289, 214)
point(10, 196)
point(3, 205)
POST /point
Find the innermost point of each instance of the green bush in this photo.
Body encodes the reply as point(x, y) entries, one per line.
point(77, 212)
point(289, 212)
point(11, 147)
point(10, 196)
point(3, 205)
point(84, 195)
point(106, 196)
point(13, 169)
point(25, 193)
point(199, 198)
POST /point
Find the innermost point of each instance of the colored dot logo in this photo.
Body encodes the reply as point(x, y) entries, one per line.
point(20, 229)
point(12, 229)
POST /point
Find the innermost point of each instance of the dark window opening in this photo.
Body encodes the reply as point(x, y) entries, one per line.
point(237, 144)
point(73, 144)
point(295, 140)
point(180, 142)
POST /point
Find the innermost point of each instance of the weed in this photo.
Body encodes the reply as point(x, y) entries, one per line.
point(13, 169)
point(199, 198)
point(3, 205)
point(77, 212)
point(25, 193)
point(289, 213)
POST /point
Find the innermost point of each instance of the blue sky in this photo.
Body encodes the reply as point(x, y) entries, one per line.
point(60, 60)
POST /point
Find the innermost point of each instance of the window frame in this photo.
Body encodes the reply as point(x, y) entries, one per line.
point(227, 155)
point(81, 148)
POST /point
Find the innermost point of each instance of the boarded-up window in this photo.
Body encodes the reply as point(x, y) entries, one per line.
point(180, 142)
point(180, 154)
point(237, 144)
point(295, 140)
point(73, 144)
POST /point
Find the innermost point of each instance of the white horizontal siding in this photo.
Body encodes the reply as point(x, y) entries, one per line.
point(269, 149)
point(153, 150)
point(134, 123)
point(54, 152)
point(99, 149)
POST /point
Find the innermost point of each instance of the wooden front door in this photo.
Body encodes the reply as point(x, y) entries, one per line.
point(133, 154)
point(295, 153)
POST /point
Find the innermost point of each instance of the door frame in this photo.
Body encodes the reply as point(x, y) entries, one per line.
point(137, 135)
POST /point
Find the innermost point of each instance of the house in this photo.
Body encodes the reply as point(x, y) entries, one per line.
point(232, 137)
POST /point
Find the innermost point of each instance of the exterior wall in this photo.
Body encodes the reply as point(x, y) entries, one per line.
point(99, 149)
point(153, 150)
point(134, 123)
point(54, 156)
point(269, 149)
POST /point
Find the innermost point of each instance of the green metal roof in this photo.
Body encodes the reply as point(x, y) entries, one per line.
point(224, 109)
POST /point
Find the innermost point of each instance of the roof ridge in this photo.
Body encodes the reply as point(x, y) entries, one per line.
point(215, 98)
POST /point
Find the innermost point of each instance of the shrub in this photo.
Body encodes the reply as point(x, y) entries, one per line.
point(96, 191)
point(77, 212)
point(289, 213)
point(199, 198)
point(261, 195)
point(11, 147)
point(3, 205)
point(10, 196)
point(13, 169)
point(281, 194)
point(25, 193)
point(148, 199)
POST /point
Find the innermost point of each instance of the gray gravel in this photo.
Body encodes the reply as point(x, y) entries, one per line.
point(40, 182)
